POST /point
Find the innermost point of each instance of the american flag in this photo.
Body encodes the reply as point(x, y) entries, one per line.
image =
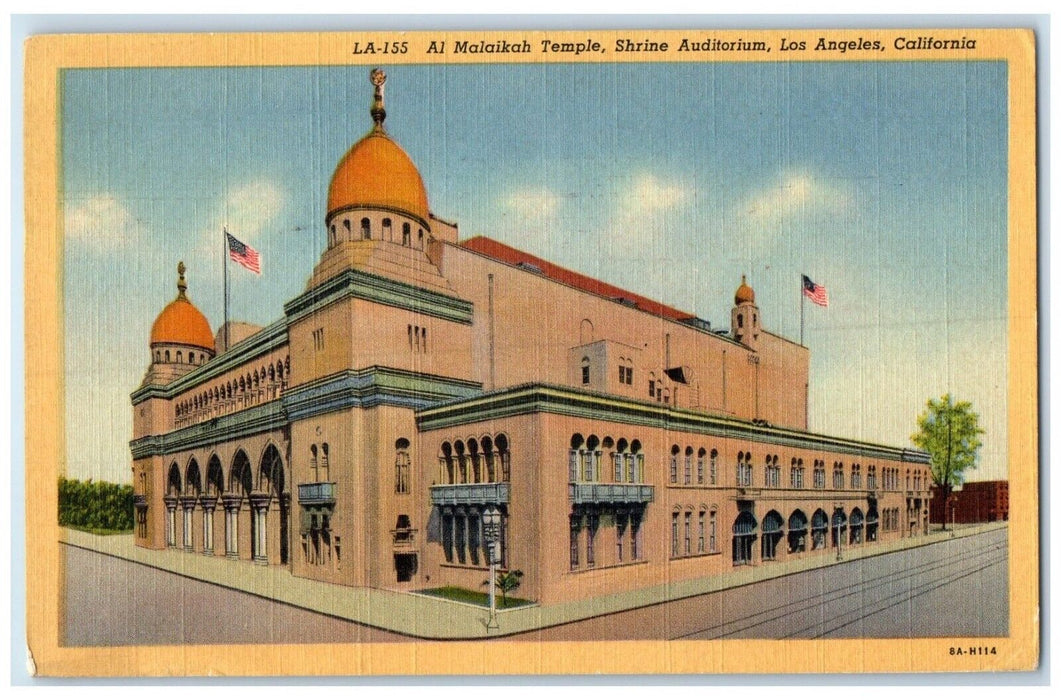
point(243, 254)
point(815, 292)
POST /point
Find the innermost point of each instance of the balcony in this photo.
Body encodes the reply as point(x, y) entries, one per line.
point(468, 494)
point(404, 539)
point(316, 494)
point(609, 493)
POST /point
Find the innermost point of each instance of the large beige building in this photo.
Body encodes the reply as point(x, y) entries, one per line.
point(421, 379)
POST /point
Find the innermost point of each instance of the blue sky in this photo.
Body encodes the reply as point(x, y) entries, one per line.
point(885, 182)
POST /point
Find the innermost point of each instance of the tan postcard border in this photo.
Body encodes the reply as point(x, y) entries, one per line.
point(47, 56)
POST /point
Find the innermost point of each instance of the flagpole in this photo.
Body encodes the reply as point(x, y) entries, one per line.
point(224, 264)
point(802, 301)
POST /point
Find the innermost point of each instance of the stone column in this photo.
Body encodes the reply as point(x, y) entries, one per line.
point(231, 504)
point(209, 504)
point(171, 520)
point(188, 506)
point(259, 508)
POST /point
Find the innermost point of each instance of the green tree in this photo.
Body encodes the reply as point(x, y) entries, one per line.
point(506, 582)
point(950, 432)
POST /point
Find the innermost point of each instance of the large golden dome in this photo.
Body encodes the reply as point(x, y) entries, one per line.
point(181, 323)
point(745, 294)
point(376, 173)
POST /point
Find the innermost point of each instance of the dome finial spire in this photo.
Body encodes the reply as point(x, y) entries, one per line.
point(378, 113)
point(182, 286)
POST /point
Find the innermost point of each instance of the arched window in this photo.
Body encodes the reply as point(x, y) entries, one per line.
point(446, 467)
point(574, 458)
point(797, 532)
point(744, 534)
point(331, 236)
point(324, 470)
point(406, 234)
point(674, 452)
point(688, 465)
point(700, 457)
point(489, 459)
point(167, 356)
point(636, 466)
point(585, 370)
point(158, 356)
point(366, 228)
point(772, 534)
point(401, 466)
point(740, 320)
point(420, 236)
point(388, 234)
point(590, 465)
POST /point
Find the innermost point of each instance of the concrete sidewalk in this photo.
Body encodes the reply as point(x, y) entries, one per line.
point(428, 617)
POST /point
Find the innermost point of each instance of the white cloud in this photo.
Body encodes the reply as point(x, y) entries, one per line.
point(101, 221)
point(246, 212)
point(533, 204)
point(647, 194)
point(797, 193)
point(250, 207)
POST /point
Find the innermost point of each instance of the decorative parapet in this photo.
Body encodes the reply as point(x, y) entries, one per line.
point(469, 494)
point(317, 493)
point(610, 493)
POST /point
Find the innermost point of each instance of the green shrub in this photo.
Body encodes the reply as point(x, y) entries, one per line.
point(95, 505)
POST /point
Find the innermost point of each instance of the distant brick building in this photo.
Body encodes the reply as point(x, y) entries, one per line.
point(976, 502)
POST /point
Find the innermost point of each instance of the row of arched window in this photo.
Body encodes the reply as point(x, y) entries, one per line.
point(386, 233)
point(262, 384)
point(801, 533)
point(682, 462)
point(484, 460)
point(241, 478)
point(194, 358)
point(586, 460)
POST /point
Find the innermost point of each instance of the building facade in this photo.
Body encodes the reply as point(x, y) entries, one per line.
point(974, 502)
point(421, 380)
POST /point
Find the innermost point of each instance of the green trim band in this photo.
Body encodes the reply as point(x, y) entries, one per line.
point(544, 398)
point(363, 285)
point(266, 340)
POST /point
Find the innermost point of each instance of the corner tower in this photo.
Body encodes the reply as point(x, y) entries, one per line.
point(181, 338)
point(744, 319)
point(378, 219)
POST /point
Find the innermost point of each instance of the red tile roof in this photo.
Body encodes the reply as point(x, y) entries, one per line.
point(507, 254)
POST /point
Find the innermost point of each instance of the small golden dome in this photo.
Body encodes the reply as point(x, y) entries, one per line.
point(181, 322)
point(377, 173)
point(745, 294)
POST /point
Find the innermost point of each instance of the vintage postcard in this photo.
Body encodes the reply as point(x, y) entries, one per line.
point(676, 352)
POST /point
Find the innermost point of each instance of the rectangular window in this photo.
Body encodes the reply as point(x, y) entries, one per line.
point(572, 466)
point(635, 537)
point(714, 470)
point(674, 535)
point(712, 541)
point(688, 469)
point(631, 469)
point(591, 536)
point(700, 470)
point(688, 533)
point(674, 469)
point(585, 374)
point(700, 534)
point(460, 537)
point(575, 526)
point(617, 460)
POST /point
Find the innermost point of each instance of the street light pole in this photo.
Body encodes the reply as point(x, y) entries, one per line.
point(491, 529)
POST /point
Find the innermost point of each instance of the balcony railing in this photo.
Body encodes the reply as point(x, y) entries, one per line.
point(610, 493)
point(317, 493)
point(468, 494)
point(404, 538)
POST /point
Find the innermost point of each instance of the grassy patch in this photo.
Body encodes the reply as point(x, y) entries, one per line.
point(463, 595)
point(100, 530)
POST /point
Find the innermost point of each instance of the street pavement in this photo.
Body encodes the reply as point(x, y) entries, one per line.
point(119, 594)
